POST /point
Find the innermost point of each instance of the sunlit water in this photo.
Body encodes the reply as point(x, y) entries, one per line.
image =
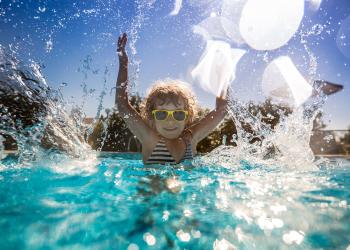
point(114, 202)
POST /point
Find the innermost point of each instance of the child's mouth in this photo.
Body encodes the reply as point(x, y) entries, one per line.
point(169, 129)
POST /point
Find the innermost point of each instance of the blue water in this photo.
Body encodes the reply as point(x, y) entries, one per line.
point(113, 202)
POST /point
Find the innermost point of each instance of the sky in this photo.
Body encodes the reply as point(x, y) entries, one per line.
point(75, 43)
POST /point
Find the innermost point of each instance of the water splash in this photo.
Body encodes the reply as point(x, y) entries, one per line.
point(258, 143)
point(35, 115)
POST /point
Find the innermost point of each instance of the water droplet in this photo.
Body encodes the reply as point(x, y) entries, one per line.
point(149, 239)
point(187, 213)
point(293, 237)
point(42, 9)
point(133, 246)
point(316, 29)
point(343, 204)
point(165, 216)
point(183, 236)
point(49, 45)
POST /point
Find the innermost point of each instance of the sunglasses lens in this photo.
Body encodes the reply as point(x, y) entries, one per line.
point(161, 115)
point(179, 115)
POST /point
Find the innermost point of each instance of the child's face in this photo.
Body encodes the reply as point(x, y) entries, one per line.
point(170, 128)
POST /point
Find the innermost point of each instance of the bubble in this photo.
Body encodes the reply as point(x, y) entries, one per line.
point(268, 25)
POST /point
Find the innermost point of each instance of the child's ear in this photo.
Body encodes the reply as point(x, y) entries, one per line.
point(152, 123)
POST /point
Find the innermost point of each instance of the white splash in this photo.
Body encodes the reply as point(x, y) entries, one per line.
point(293, 237)
point(292, 139)
point(223, 245)
point(49, 45)
point(177, 7)
point(269, 24)
point(284, 83)
point(217, 67)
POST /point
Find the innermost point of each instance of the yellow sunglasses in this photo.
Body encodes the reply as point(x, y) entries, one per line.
point(161, 115)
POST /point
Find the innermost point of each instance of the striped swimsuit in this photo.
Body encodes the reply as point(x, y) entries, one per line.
point(161, 154)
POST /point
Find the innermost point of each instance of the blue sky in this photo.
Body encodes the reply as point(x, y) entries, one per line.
point(61, 35)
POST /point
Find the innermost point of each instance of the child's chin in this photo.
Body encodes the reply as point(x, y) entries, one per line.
point(170, 135)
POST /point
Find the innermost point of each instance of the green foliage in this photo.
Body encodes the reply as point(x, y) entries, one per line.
point(112, 134)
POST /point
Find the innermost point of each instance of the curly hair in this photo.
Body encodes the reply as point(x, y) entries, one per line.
point(169, 90)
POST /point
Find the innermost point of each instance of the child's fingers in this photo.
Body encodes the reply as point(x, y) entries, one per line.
point(124, 39)
point(222, 94)
point(122, 42)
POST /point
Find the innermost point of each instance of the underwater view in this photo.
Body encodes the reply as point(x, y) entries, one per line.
point(182, 124)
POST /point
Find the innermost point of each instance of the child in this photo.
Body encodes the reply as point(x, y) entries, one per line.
point(165, 126)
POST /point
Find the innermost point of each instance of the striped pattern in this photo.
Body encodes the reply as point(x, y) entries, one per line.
point(188, 153)
point(162, 155)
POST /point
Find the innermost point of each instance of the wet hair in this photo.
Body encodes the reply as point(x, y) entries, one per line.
point(169, 91)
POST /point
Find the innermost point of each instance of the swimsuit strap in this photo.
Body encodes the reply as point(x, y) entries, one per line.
point(188, 153)
point(187, 139)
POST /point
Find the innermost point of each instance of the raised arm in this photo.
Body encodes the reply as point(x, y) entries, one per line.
point(132, 118)
point(206, 125)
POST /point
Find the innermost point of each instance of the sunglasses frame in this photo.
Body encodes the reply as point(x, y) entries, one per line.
point(169, 112)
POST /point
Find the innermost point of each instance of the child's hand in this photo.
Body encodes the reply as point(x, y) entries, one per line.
point(221, 101)
point(123, 57)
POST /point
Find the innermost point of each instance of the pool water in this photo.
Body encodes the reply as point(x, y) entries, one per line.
point(112, 201)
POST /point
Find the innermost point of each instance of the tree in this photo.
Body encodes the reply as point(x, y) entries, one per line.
point(111, 133)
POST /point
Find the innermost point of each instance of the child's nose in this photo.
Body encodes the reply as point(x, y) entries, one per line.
point(170, 118)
